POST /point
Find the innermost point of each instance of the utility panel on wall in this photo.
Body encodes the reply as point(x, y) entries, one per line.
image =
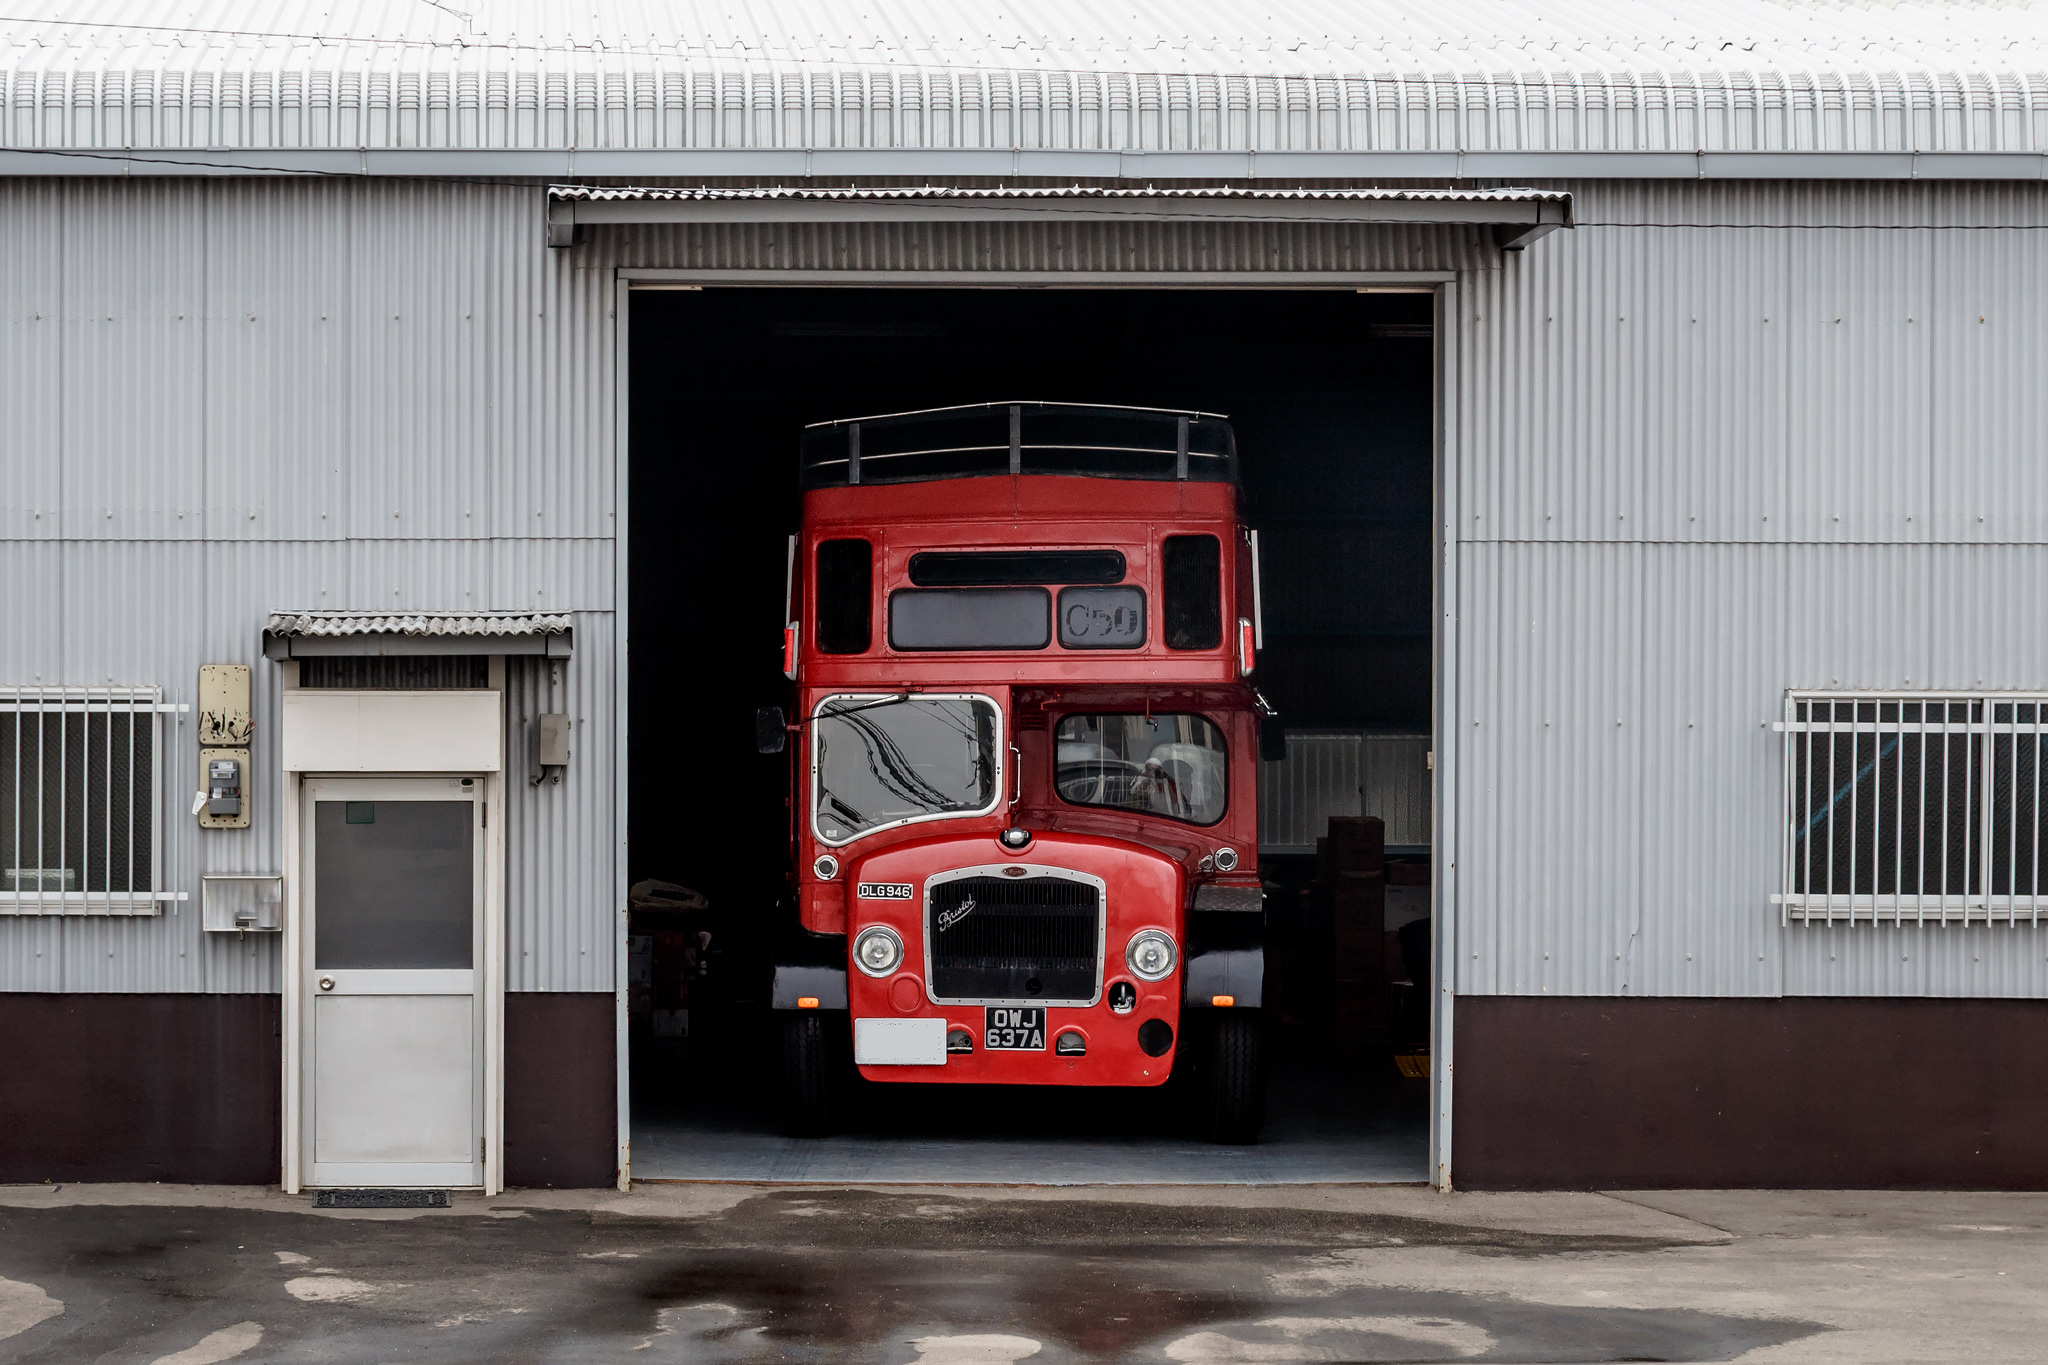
point(224, 729)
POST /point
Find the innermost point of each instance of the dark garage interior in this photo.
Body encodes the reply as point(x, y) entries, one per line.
point(1330, 394)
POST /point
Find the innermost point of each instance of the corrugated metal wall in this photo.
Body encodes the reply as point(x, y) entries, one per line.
point(1345, 773)
point(222, 398)
point(218, 399)
point(1790, 437)
point(558, 850)
point(1683, 486)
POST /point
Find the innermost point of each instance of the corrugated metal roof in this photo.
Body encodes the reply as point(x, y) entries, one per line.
point(1275, 37)
point(1298, 75)
point(416, 623)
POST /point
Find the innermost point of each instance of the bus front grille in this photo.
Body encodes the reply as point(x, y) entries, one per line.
point(1024, 939)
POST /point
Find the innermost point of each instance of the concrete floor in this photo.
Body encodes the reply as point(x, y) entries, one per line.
point(935, 1276)
point(1330, 1120)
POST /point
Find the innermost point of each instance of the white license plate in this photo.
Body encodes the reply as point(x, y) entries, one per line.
point(899, 1042)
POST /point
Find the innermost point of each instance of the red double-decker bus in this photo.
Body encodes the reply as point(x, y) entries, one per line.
point(1024, 751)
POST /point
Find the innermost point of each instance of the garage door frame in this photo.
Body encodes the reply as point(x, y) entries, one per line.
point(1443, 284)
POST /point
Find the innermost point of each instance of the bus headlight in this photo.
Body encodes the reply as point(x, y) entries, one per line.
point(877, 951)
point(1151, 955)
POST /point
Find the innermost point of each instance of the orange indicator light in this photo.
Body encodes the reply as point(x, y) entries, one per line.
point(1223, 1002)
point(810, 1002)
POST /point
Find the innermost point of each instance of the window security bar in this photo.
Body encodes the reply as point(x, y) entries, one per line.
point(81, 800)
point(1913, 807)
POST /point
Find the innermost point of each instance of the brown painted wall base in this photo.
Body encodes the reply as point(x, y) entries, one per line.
point(561, 1091)
point(186, 1088)
point(1605, 1093)
point(139, 1087)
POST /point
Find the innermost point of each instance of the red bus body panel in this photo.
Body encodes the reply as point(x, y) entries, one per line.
point(1147, 891)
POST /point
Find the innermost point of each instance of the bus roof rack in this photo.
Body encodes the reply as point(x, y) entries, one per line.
point(982, 440)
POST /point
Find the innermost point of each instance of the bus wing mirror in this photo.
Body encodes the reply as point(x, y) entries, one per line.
point(771, 732)
point(1272, 739)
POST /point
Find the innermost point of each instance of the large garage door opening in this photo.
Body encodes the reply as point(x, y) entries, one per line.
point(1329, 394)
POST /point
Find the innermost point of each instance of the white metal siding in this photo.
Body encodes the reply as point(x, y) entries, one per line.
point(558, 851)
point(131, 382)
point(275, 350)
point(1565, 851)
point(1880, 959)
point(1640, 857)
point(1713, 620)
point(1617, 460)
point(1988, 329)
point(345, 351)
point(31, 287)
point(1612, 354)
point(1688, 488)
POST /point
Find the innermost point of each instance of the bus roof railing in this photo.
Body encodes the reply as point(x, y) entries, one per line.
point(982, 440)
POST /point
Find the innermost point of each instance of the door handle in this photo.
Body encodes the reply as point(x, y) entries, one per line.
point(326, 983)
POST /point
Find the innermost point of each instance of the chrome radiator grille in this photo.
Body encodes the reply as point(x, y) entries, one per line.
point(1031, 939)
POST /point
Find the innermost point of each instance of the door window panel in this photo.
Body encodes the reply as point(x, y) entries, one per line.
point(393, 884)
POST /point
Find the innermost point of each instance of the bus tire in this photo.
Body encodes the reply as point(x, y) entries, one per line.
point(1235, 1107)
point(806, 1075)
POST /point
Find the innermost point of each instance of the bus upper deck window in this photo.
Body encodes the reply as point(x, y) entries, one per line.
point(846, 596)
point(1193, 573)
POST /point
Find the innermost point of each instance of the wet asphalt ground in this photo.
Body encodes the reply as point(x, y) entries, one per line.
point(930, 1276)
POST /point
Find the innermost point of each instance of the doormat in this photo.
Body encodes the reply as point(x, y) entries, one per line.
point(381, 1199)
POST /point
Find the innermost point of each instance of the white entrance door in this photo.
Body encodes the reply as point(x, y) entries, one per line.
point(391, 900)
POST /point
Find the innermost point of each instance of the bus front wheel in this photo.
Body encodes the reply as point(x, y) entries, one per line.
point(1235, 1105)
point(806, 1075)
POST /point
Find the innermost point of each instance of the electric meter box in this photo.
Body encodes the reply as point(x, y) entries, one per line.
point(225, 727)
point(238, 902)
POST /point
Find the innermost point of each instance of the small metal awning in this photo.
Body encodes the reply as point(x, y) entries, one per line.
point(309, 634)
point(1518, 216)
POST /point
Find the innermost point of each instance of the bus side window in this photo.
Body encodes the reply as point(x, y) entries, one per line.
point(846, 596)
point(1193, 572)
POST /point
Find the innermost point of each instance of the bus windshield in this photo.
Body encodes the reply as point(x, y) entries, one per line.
point(1171, 764)
point(880, 761)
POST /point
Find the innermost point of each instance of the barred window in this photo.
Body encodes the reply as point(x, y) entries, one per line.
point(79, 800)
point(1913, 808)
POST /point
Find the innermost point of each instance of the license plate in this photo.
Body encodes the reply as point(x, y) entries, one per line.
point(1014, 1029)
